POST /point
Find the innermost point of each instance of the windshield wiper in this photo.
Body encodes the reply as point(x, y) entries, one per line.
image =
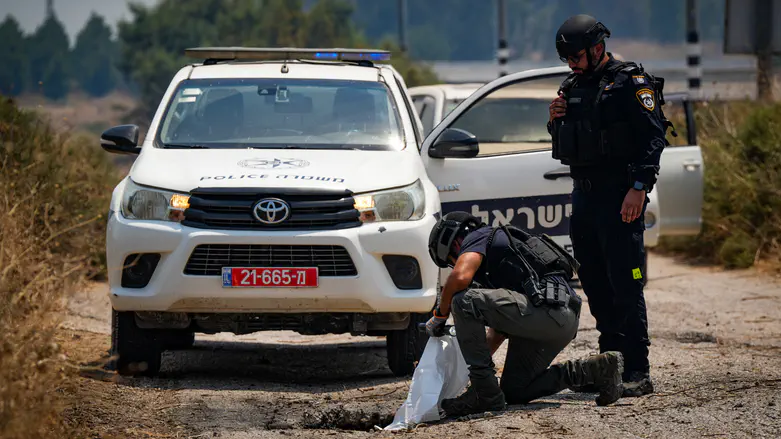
point(175, 146)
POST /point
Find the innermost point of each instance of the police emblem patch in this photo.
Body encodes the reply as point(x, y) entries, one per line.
point(646, 98)
point(639, 79)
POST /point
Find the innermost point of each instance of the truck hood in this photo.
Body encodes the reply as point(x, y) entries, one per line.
point(358, 171)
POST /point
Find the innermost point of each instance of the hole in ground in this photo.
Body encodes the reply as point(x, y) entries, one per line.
point(341, 418)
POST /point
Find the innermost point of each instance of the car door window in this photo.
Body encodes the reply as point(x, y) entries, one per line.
point(512, 119)
point(425, 105)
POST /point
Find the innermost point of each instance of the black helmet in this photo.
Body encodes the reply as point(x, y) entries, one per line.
point(577, 33)
point(445, 231)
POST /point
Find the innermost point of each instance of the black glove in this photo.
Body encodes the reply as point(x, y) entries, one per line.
point(435, 327)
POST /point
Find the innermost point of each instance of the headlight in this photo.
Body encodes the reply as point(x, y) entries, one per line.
point(153, 204)
point(404, 204)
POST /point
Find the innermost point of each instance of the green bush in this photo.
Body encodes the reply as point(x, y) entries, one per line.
point(741, 145)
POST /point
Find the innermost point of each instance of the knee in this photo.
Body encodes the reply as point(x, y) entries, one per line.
point(459, 303)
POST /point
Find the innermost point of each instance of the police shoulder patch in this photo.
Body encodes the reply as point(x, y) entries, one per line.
point(646, 98)
point(639, 80)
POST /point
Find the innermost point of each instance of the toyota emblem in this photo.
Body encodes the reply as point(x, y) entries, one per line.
point(271, 211)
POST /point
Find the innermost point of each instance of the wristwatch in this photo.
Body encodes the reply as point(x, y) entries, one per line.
point(640, 186)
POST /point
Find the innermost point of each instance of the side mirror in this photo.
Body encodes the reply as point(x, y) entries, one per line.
point(121, 139)
point(454, 143)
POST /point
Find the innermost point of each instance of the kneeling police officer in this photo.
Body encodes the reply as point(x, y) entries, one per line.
point(516, 285)
point(608, 126)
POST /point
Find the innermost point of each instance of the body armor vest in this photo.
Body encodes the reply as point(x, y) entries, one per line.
point(582, 137)
point(529, 265)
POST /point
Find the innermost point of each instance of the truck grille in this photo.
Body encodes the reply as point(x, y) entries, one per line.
point(331, 260)
point(310, 209)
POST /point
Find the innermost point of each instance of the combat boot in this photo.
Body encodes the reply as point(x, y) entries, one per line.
point(602, 371)
point(482, 396)
point(638, 384)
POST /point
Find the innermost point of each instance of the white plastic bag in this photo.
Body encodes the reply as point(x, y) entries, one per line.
point(442, 373)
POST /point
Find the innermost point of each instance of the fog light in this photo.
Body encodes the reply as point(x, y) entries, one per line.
point(138, 269)
point(650, 220)
point(404, 271)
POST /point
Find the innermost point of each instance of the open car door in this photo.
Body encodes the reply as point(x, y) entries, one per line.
point(680, 182)
point(491, 156)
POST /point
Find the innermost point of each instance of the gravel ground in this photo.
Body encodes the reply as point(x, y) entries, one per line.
point(715, 355)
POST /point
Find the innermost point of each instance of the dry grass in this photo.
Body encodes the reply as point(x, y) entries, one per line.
point(53, 190)
point(741, 145)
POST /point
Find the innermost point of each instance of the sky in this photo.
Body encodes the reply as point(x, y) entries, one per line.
point(72, 13)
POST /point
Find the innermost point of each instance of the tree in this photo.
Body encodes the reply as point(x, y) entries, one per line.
point(14, 70)
point(154, 40)
point(49, 49)
point(93, 58)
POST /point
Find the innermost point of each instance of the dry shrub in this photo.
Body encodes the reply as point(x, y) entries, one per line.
point(53, 190)
point(741, 145)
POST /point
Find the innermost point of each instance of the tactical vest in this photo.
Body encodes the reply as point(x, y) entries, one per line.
point(528, 267)
point(582, 137)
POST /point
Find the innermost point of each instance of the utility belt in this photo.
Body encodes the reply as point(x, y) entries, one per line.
point(551, 291)
point(592, 184)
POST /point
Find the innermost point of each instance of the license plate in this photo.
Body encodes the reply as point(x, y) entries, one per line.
point(264, 277)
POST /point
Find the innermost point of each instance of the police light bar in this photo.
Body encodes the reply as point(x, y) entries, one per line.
point(287, 53)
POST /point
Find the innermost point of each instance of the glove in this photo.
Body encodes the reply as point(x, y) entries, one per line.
point(435, 327)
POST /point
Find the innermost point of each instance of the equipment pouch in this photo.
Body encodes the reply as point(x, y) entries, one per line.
point(533, 292)
point(540, 251)
point(566, 141)
point(566, 262)
point(556, 294)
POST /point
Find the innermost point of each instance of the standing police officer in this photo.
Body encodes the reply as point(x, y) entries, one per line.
point(489, 287)
point(608, 126)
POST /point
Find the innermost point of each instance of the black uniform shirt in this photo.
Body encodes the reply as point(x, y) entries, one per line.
point(633, 100)
point(477, 242)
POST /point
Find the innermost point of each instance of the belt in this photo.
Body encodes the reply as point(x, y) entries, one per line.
point(587, 184)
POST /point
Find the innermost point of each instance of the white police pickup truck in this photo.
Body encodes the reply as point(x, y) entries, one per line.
point(515, 179)
point(293, 189)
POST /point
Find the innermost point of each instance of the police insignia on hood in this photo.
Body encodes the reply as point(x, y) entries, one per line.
point(646, 98)
point(273, 163)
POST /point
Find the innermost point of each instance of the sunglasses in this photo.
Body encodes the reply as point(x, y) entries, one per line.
point(574, 58)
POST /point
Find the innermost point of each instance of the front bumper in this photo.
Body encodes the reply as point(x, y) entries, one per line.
point(372, 290)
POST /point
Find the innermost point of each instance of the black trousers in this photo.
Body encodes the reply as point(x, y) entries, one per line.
point(612, 257)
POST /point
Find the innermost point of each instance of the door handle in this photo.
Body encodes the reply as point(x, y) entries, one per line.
point(691, 165)
point(557, 173)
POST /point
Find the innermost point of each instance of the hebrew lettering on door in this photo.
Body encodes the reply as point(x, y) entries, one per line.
point(539, 214)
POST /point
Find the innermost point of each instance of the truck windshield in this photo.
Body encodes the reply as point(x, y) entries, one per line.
point(281, 113)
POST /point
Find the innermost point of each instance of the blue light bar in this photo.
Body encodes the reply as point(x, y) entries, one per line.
point(287, 53)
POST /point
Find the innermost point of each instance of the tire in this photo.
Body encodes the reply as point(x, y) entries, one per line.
point(135, 351)
point(405, 347)
point(179, 339)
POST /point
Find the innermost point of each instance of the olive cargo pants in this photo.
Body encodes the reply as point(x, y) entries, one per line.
point(536, 335)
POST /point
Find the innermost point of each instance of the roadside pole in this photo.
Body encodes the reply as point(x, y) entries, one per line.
point(693, 50)
point(504, 52)
point(764, 37)
point(403, 26)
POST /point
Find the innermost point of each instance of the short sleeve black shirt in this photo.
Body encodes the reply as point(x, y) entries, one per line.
point(477, 242)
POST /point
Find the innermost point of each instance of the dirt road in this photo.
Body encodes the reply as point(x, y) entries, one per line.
point(715, 354)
